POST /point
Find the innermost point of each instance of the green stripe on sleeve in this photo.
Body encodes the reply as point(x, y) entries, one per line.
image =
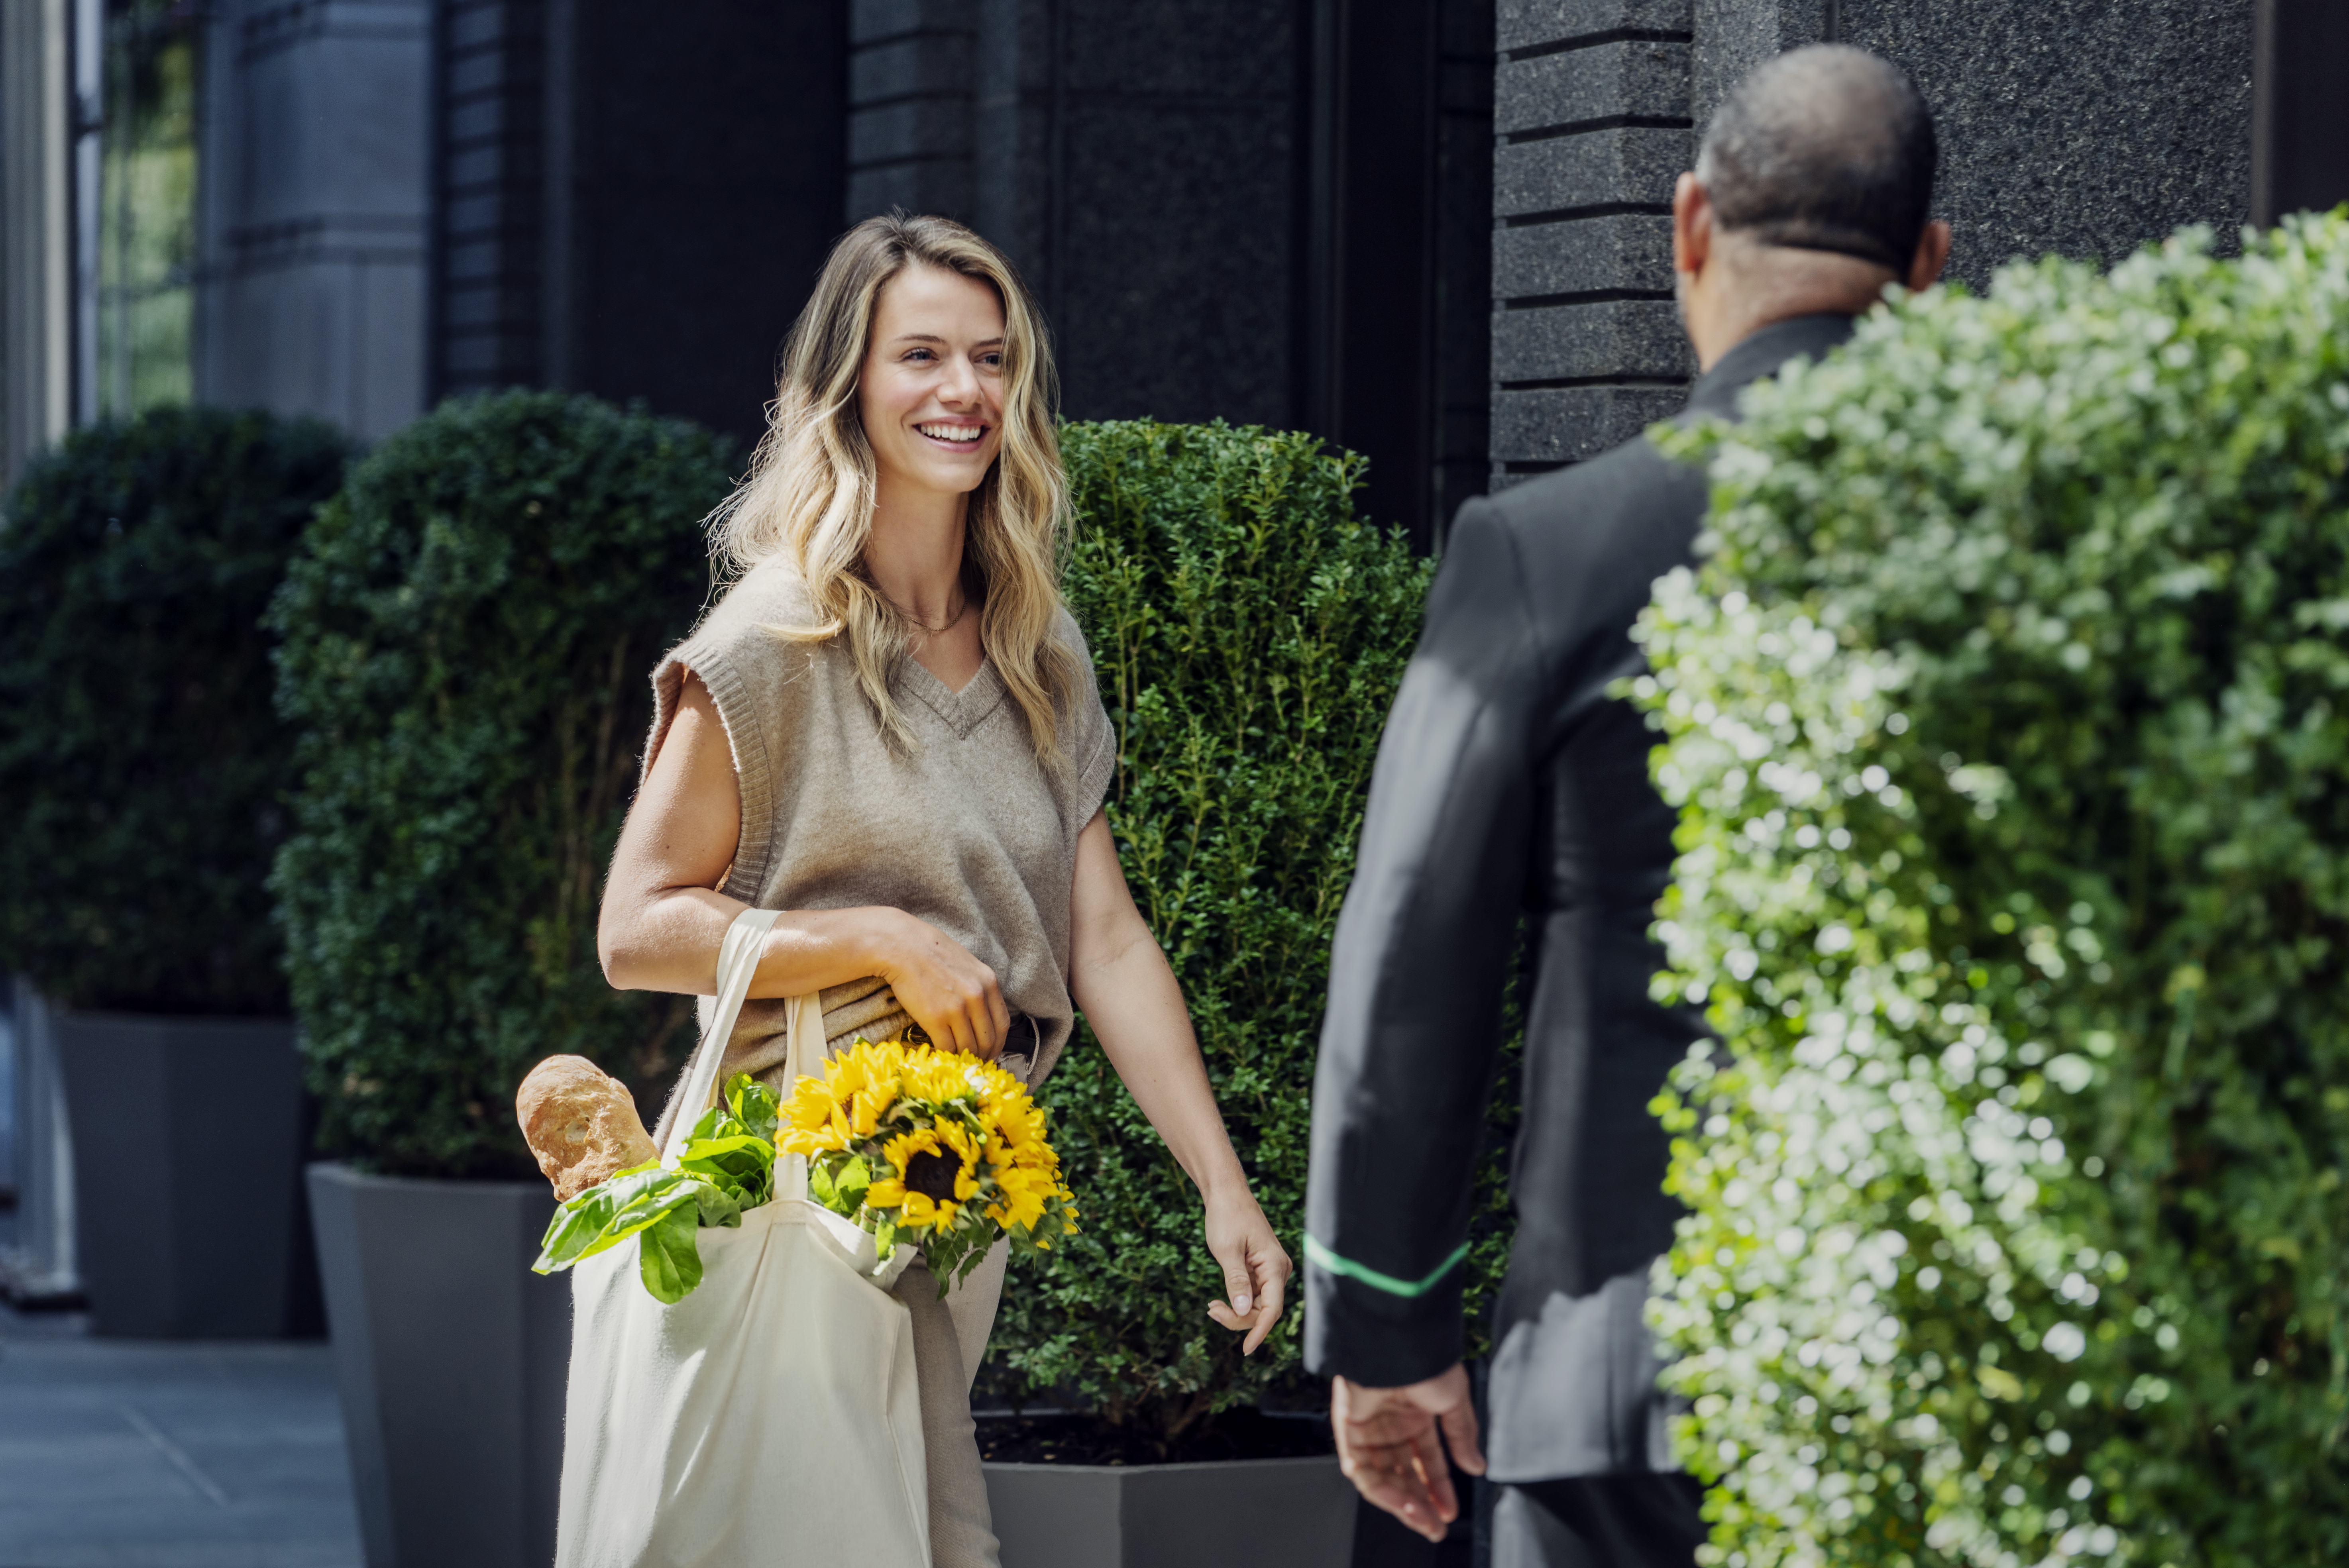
point(1317, 1253)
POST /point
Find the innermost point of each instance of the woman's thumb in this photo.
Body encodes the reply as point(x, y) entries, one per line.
point(1239, 1286)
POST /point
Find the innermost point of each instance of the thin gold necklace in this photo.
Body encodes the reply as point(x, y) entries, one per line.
point(951, 623)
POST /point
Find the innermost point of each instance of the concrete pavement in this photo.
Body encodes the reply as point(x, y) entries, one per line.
point(156, 1454)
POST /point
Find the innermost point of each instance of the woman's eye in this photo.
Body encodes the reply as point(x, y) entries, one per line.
point(919, 354)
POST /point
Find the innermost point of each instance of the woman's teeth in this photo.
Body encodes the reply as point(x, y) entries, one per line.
point(962, 435)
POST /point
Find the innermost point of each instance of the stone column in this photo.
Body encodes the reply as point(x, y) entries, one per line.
point(1591, 113)
point(314, 157)
point(492, 166)
point(2300, 116)
point(635, 206)
point(909, 106)
point(36, 229)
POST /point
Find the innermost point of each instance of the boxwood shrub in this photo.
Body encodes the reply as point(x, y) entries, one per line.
point(2009, 713)
point(141, 762)
point(466, 636)
point(1248, 631)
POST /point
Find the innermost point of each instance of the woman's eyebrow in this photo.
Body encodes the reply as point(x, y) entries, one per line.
point(934, 337)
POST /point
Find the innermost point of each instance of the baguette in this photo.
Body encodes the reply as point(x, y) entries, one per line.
point(581, 1123)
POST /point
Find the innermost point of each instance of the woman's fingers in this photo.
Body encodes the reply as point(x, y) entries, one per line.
point(1255, 1270)
point(1238, 1311)
point(982, 1022)
point(1001, 1013)
point(1272, 1295)
point(956, 999)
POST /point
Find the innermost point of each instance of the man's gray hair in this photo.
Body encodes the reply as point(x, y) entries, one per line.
point(1828, 148)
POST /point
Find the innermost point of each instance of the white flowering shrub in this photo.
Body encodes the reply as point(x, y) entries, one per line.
point(2008, 715)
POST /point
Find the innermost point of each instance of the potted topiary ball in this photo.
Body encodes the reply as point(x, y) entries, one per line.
point(467, 634)
point(1248, 632)
point(2009, 716)
point(142, 768)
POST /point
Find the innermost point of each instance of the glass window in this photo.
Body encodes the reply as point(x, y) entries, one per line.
point(147, 214)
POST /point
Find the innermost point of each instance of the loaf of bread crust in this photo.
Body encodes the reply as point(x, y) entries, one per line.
point(581, 1122)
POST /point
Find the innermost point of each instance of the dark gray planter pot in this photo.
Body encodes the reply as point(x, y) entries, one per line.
point(451, 1355)
point(1236, 1513)
point(188, 1141)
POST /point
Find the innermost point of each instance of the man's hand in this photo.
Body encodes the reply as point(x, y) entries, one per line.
point(1387, 1445)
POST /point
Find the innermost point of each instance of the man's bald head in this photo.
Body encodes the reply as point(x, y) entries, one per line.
point(1824, 148)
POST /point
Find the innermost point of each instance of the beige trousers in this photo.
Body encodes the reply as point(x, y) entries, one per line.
point(949, 1342)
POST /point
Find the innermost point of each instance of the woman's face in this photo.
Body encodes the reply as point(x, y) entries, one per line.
point(932, 389)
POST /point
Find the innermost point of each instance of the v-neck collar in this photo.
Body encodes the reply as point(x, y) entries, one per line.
point(963, 710)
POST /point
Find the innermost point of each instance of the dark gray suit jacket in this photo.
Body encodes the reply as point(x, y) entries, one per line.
point(1509, 784)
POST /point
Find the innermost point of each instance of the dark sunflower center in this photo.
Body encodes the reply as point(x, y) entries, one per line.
point(933, 1175)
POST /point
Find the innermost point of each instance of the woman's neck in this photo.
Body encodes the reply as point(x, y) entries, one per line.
point(914, 553)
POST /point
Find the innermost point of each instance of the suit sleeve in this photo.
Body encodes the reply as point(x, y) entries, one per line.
point(1423, 947)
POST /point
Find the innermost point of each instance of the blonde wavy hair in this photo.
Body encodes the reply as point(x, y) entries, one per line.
point(810, 493)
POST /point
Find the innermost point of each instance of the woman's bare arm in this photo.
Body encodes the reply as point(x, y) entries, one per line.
point(1121, 979)
point(663, 921)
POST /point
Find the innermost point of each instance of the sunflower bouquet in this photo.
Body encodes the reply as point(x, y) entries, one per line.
point(930, 1147)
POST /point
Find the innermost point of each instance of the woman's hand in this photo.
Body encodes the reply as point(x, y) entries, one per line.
point(1256, 1266)
point(953, 996)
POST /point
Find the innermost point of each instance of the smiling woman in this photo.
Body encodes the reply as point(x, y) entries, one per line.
point(912, 468)
point(888, 730)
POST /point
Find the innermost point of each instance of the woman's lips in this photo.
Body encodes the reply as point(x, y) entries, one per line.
point(959, 436)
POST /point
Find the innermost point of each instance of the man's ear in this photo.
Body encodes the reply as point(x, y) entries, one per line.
point(1932, 255)
point(1692, 225)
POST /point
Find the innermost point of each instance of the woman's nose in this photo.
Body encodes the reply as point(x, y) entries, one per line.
point(961, 385)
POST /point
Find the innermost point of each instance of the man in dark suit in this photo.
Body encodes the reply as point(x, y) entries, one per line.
point(1509, 786)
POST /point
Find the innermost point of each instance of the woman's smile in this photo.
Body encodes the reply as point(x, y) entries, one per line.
point(952, 433)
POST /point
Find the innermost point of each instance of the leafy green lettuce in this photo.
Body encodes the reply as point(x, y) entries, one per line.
point(728, 1165)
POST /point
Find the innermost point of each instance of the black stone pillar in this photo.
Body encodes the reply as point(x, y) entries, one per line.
point(2300, 109)
point(909, 106)
point(1394, 321)
point(1592, 114)
point(1270, 211)
point(489, 245)
point(635, 205)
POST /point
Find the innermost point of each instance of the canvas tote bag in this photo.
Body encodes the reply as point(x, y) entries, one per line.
point(771, 1417)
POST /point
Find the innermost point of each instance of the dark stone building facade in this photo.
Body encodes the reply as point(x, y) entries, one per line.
point(632, 210)
point(1434, 231)
point(2065, 125)
point(1262, 210)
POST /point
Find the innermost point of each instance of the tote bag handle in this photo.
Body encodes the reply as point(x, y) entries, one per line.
point(738, 962)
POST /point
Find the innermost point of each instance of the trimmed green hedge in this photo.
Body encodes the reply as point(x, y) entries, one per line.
point(1248, 631)
point(2010, 715)
point(466, 639)
point(141, 763)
